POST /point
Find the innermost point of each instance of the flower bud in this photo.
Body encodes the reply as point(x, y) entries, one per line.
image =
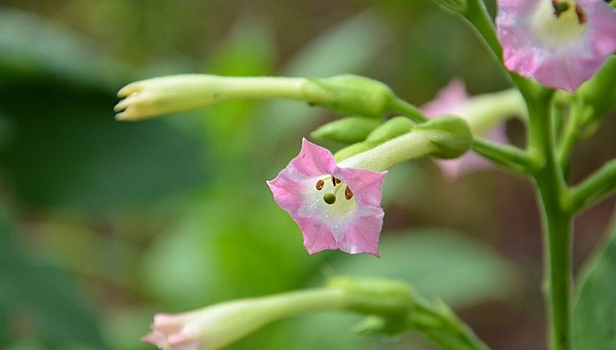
point(451, 135)
point(353, 94)
point(387, 303)
point(347, 130)
point(600, 91)
point(346, 94)
point(392, 128)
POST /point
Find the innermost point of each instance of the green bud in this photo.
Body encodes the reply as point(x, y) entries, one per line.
point(347, 130)
point(381, 297)
point(451, 135)
point(354, 149)
point(352, 94)
point(599, 93)
point(392, 128)
point(387, 303)
point(346, 94)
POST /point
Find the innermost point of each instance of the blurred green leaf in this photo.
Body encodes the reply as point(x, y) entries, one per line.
point(61, 145)
point(65, 149)
point(33, 47)
point(50, 302)
point(437, 264)
point(349, 47)
point(249, 50)
point(227, 248)
point(595, 309)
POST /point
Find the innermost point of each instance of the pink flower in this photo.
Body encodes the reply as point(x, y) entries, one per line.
point(212, 327)
point(560, 43)
point(335, 207)
point(453, 99)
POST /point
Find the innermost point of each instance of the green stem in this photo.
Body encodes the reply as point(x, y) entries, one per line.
point(570, 133)
point(407, 109)
point(508, 156)
point(595, 188)
point(437, 322)
point(556, 219)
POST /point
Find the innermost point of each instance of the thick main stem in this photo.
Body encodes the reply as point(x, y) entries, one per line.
point(557, 228)
point(556, 218)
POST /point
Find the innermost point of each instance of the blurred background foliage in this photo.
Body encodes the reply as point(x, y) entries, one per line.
point(103, 223)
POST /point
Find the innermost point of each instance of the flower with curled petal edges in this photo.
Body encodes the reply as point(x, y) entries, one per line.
point(560, 43)
point(451, 100)
point(335, 207)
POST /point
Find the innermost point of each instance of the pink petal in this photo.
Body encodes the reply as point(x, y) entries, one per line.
point(567, 66)
point(354, 226)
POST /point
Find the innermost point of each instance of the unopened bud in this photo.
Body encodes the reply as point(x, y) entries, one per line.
point(451, 135)
point(353, 94)
point(347, 130)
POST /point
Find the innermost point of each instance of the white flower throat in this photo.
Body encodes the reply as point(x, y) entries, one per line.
point(332, 189)
point(558, 22)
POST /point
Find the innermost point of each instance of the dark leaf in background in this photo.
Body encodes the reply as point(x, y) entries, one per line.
point(59, 141)
point(65, 149)
point(41, 299)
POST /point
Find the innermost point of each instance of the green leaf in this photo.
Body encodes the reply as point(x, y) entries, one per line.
point(437, 264)
point(64, 149)
point(327, 55)
point(47, 297)
point(33, 47)
point(59, 142)
point(595, 309)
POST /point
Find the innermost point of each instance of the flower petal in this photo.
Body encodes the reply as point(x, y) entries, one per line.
point(558, 50)
point(351, 222)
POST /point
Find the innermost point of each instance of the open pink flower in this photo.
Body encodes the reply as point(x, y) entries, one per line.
point(452, 100)
point(336, 208)
point(560, 43)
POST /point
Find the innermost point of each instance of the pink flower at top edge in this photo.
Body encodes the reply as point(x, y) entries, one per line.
point(336, 208)
point(560, 43)
point(449, 100)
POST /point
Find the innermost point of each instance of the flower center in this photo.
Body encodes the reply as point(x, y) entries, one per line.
point(558, 22)
point(332, 192)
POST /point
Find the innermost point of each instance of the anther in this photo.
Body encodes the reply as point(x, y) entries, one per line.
point(329, 198)
point(320, 185)
point(348, 194)
point(580, 14)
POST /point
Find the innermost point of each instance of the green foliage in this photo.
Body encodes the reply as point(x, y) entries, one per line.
point(595, 309)
point(100, 199)
point(45, 297)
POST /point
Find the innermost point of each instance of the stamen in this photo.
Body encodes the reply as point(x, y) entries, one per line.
point(320, 185)
point(337, 181)
point(329, 198)
point(580, 14)
point(348, 194)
